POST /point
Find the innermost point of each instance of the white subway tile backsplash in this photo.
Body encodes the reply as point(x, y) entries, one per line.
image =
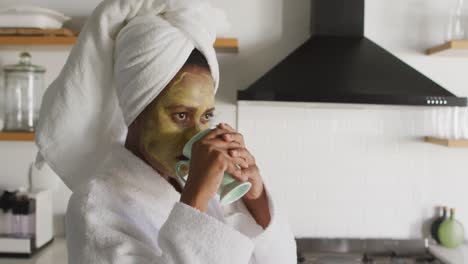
point(354, 171)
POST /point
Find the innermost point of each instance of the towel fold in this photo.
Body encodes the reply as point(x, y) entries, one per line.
point(127, 52)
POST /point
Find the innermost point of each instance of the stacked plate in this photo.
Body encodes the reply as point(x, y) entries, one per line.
point(31, 17)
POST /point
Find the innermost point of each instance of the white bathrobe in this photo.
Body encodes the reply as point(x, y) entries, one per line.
point(129, 214)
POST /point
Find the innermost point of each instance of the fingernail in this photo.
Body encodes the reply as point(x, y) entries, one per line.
point(234, 153)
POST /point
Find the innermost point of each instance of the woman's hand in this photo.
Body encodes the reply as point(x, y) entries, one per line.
point(255, 200)
point(210, 159)
point(251, 172)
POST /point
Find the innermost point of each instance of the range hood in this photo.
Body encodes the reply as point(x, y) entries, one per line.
point(338, 64)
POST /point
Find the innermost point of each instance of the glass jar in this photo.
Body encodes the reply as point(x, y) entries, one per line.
point(2, 104)
point(457, 28)
point(24, 87)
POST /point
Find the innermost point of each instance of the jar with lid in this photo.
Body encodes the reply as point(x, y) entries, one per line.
point(24, 88)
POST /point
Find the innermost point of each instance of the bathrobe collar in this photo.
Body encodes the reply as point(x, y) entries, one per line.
point(142, 183)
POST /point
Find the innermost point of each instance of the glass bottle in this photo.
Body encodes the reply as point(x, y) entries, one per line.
point(2, 104)
point(436, 224)
point(451, 231)
point(457, 24)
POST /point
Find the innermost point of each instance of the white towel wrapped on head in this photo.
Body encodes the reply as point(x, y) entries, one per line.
point(127, 52)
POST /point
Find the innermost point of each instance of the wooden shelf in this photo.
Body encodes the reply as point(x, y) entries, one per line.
point(448, 142)
point(16, 136)
point(227, 44)
point(37, 40)
point(222, 44)
point(451, 48)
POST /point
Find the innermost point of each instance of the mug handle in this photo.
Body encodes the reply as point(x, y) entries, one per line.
point(178, 168)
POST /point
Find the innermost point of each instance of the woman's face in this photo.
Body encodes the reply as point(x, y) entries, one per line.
point(184, 108)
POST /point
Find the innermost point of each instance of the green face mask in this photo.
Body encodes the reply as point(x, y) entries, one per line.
point(184, 108)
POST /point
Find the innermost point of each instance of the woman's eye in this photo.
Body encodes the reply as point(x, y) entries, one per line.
point(181, 116)
point(209, 116)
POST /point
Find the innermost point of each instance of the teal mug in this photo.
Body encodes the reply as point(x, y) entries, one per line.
point(230, 189)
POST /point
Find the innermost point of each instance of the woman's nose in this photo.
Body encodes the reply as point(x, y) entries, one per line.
point(193, 131)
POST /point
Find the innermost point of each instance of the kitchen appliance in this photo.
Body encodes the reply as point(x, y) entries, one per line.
point(31, 17)
point(26, 222)
point(338, 64)
point(24, 88)
point(354, 251)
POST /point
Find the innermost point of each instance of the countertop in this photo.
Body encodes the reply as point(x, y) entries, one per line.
point(54, 253)
point(451, 256)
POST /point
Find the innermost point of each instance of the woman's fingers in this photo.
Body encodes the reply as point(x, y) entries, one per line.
point(250, 172)
point(235, 167)
point(237, 172)
point(227, 127)
point(240, 161)
point(232, 135)
point(242, 153)
point(227, 133)
point(222, 144)
point(216, 132)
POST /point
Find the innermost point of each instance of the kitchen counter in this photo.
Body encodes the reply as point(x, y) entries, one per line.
point(450, 256)
point(55, 253)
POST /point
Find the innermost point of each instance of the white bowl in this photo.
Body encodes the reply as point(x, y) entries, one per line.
point(31, 17)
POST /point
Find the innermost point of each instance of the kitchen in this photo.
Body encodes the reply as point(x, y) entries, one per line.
point(362, 170)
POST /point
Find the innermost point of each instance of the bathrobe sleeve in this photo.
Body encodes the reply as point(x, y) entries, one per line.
point(111, 229)
point(273, 245)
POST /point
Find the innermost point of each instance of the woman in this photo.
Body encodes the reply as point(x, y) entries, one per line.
point(132, 208)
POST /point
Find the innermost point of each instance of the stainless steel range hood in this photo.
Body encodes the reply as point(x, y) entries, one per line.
point(339, 65)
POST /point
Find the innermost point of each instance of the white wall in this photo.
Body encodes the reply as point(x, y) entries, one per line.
point(408, 28)
point(349, 171)
point(360, 170)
